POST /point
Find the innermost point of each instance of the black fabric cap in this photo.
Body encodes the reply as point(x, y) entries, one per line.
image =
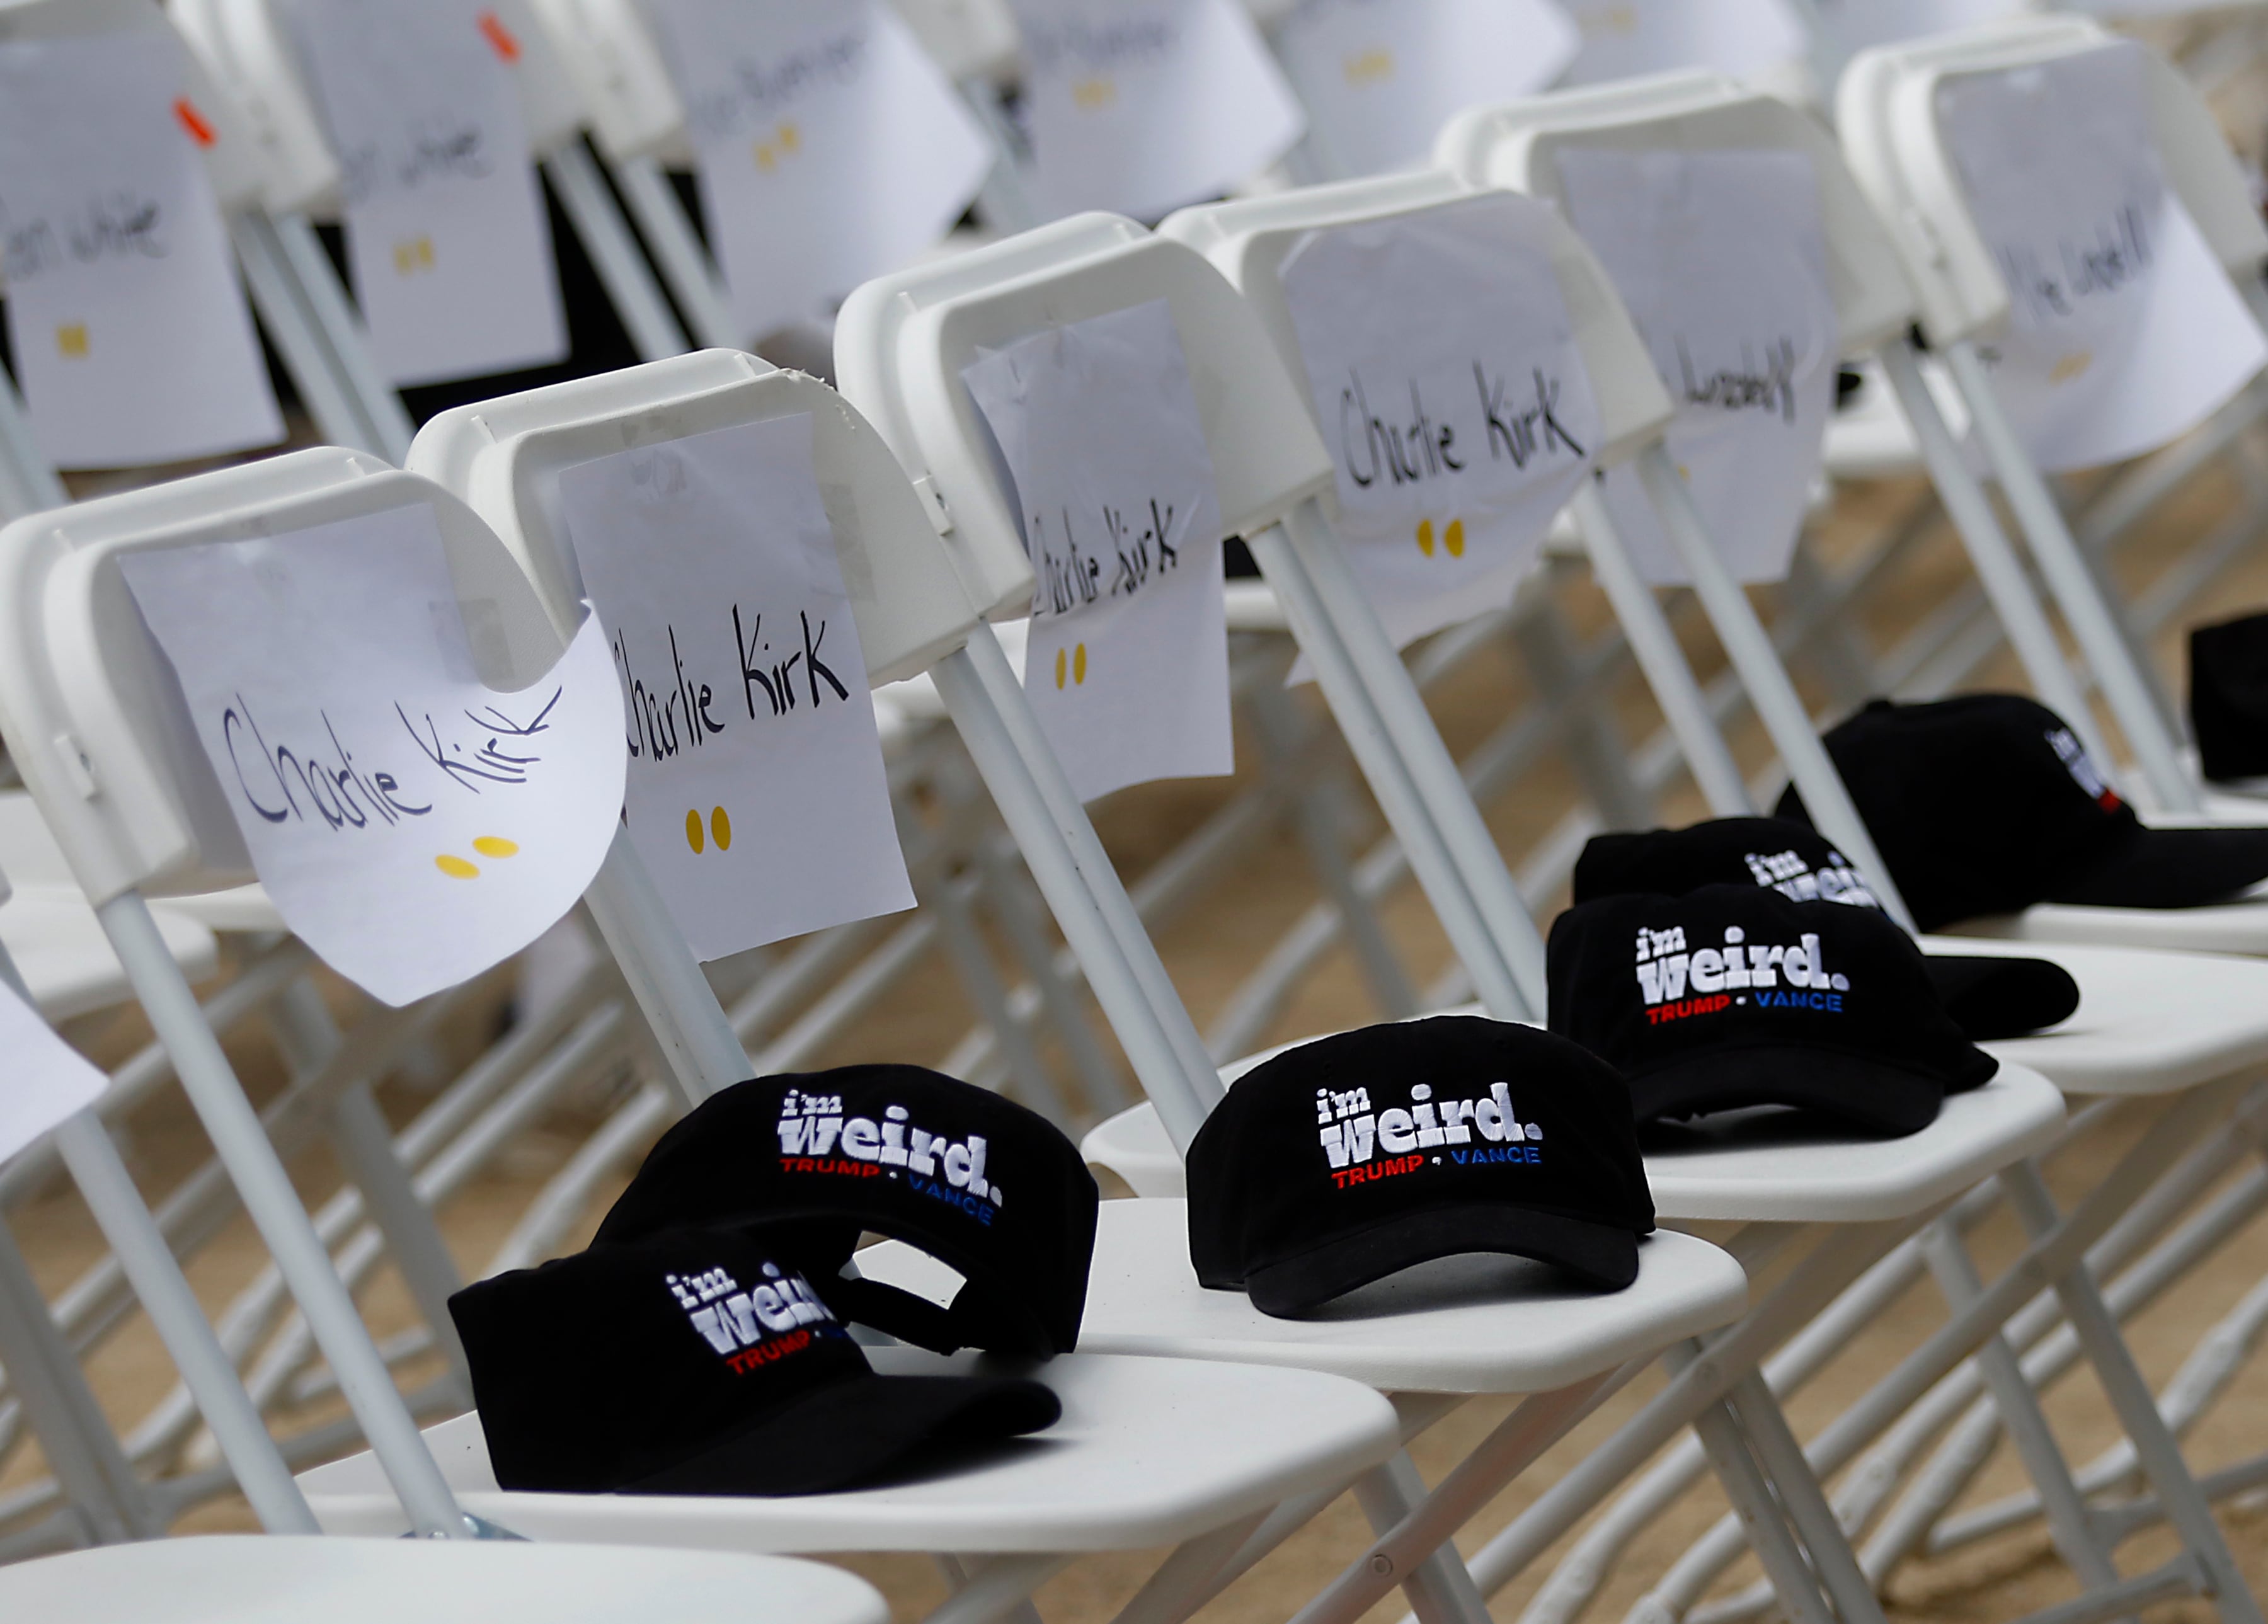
point(701, 1363)
point(1988, 997)
point(1348, 1159)
point(1733, 995)
point(982, 1184)
point(1988, 805)
point(2228, 698)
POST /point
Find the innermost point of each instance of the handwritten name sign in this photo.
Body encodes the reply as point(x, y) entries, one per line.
point(1380, 77)
point(47, 1081)
point(831, 148)
point(447, 234)
point(2123, 331)
point(1445, 372)
point(1721, 259)
point(1624, 38)
point(1141, 105)
point(1128, 660)
point(414, 825)
point(757, 797)
point(129, 332)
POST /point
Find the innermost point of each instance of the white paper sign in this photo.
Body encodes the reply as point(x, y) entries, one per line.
point(1128, 660)
point(1622, 38)
point(1855, 24)
point(44, 1082)
point(130, 334)
point(414, 825)
point(1140, 106)
point(2124, 331)
point(831, 148)
point(1380, 77)
point(757, 798)
point(1445, 376)
point(447, 233)
point(1721, 260)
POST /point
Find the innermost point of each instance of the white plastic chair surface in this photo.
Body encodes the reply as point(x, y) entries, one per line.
point(221, 1579)
point(1149, 1452)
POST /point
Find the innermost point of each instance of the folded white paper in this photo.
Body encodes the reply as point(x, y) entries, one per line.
point(43, 1081)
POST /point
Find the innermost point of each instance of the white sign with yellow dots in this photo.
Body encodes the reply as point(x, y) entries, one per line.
point(1141, 105)
point(1721, 260)
point(1447, 379)
point(447, 240)
point(414, 825)
point(2124, 331)
point(831, 147)
point(757, 797)
point(1380, 77)
point(131, 337)
point(1622, 38)
point(1127, 663)
point(46, 1080)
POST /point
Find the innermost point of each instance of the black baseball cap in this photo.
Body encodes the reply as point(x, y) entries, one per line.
point(2228, 698)
point(1988, 997)
point(1735, 995)
point(987, 1187)
point(1988, 804)
point(704, 1363)
point(1353, 1157)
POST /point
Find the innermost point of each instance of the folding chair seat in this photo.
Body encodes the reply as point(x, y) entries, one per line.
point(282, 1581)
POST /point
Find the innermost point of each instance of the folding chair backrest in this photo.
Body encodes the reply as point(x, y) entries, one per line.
point(239, 168)
point(1249, 239)
point(614, 60)
point(248, 46)
point(505, 459)
point(1887, 109)
point(93, 722)
point(901, 343)
point(1517, 145)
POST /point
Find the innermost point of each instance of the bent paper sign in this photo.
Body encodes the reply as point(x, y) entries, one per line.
point(2122, 331)
point(1380, 77)
point(414, 825)
point(1444, 374)
point(1139, 107)
point(757, 798)
point(1721, 260)
point(446, 233)
point(1622, 38)
point(44, 1082)
point(831, 148)
point(129, 328)
point(1128, 660)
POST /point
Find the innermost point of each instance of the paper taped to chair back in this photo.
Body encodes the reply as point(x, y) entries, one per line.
point(1622, 38)
point(1721, 259)
point(1138, 107)
point(1113, 482)
point(43, 1082)
point(1380, 77)
point(2123, 331)
point(756, 795)
point(129, 332)
point(1450, 388)
point(830, 148)
point(447, 233)
point(414, 825)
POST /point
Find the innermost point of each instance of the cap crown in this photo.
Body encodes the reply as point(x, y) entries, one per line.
point(1793, 859)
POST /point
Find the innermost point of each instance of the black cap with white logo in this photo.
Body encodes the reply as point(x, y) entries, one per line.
point(1988, 804)
point(1353, 1157)
point(976, 1180)
point(702, 1363)
point(1735, 995)
point(1988, 996)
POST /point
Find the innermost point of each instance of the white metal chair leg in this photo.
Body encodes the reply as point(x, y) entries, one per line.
point(325, 300)
point(1004, 202)
point(274, 1206)
point(28, 482)
point(606, 237)
point(693, 282)
point(299, 337)
point(1440, 1590)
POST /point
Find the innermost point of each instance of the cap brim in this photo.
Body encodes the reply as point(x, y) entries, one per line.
point(1869, 1095)
point(1990, 998)
point(1600, 1254)
point(860, 1431)
point(2172, 868)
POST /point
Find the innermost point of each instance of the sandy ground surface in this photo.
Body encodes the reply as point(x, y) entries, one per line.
point(1209, 947)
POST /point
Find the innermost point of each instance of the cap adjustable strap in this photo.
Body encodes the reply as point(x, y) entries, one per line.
point(975, 1321)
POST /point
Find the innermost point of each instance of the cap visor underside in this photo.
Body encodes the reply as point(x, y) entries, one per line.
point(1600, 1254)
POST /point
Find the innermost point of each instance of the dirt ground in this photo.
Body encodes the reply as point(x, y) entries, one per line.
point(1209, 947)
